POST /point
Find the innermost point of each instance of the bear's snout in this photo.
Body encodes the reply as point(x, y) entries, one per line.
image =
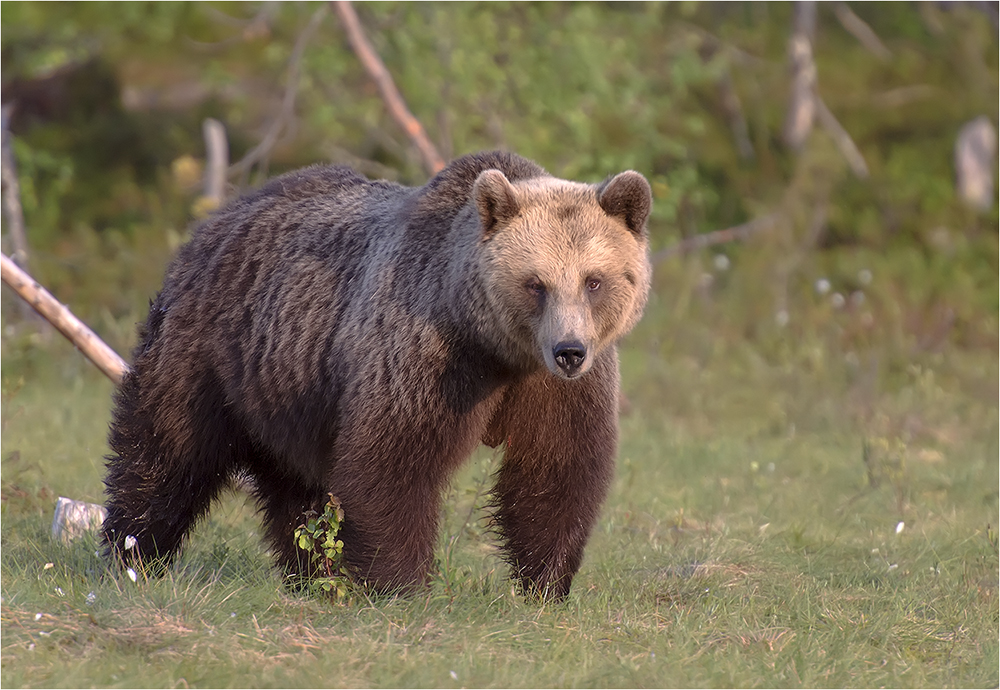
point(570, 356)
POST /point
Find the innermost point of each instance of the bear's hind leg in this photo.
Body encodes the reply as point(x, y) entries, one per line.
point(283, 500)
point(171, 456)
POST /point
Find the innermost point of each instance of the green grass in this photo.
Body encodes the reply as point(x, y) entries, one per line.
point(748, 540)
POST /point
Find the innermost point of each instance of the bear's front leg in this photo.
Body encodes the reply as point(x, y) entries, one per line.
point(561, 438)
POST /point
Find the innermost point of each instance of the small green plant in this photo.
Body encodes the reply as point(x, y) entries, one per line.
point(318, 538)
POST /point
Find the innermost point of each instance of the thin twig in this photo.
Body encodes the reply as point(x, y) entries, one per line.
point(261, 150)
point(12, 195)
point(734, 113)
point(13, 211)
point(386, 86)
point(843, 140)
point(857, 27)
point(708, 239)
point(95, 349)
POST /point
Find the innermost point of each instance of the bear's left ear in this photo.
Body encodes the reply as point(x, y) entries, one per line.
point(495, 200)
point(627, 196)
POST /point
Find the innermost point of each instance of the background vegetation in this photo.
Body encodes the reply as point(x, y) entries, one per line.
point(808, 480)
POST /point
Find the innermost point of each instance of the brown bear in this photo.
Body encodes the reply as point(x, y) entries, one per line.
point(331, 334)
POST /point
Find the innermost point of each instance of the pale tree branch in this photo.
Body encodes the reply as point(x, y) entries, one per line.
point(387, 87)
point(95, 349)
point(801, 105)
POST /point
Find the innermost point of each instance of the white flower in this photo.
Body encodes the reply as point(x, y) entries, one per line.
point(865, 276)
point(721, 262)
point(900, 526)
point(822, 286)
point(130, 542)
point(837, 300)
point(454, 676)
point(131, 574)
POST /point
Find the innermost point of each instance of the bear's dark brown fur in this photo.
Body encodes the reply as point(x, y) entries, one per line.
point(332, 334)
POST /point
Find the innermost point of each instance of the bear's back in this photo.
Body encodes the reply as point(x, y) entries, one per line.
point(331, 185)
point(450, 190)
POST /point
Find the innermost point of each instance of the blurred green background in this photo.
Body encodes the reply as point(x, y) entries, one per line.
point(109, 99)
point(807, 489)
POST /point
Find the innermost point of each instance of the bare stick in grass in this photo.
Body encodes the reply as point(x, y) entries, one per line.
point(95, 349)
point(387, 87)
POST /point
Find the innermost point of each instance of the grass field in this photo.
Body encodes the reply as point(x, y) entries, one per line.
point(805, 518)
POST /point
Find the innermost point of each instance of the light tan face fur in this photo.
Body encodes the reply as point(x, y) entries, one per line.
point(564, 273)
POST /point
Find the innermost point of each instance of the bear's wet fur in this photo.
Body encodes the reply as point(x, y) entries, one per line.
point(331, 334)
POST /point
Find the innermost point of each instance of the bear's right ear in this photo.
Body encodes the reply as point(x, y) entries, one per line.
point(495, 200)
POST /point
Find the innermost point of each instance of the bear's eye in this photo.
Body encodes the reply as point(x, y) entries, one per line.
point(535, 287)
point(593, 284)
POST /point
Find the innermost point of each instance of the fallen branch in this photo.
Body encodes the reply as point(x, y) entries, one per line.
point(708, 239)
point(386, 86)
point(95, 349)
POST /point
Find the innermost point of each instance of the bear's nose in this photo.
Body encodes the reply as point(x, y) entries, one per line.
point(569, 355)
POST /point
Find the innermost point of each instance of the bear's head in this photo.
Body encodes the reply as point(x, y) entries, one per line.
point(566, 265)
